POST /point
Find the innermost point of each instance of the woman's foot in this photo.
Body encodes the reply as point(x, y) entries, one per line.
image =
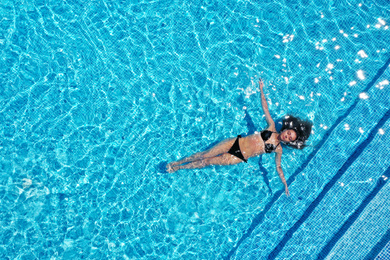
point(171, 168)
point(174, 163)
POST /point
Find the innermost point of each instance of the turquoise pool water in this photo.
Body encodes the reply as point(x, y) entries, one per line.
point(97, 96)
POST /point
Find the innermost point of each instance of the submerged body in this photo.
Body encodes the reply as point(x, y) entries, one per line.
point(240, 149)
point(266, 141)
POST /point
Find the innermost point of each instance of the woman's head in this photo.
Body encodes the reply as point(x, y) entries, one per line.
point(288, 135)
point(295, 131)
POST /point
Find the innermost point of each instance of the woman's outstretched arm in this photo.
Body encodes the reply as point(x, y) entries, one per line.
point(278, 161)
point(264, 104)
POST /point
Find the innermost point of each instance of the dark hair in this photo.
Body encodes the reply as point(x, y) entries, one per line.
point(302, 129)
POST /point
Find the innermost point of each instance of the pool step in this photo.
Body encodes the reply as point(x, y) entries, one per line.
point(385, 253)
point(351, 202)
point(353, 215)
point(368, 229)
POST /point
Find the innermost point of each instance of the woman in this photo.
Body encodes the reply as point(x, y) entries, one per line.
point(294, 133)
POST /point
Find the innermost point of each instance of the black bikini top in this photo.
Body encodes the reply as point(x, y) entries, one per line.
point(265, 135)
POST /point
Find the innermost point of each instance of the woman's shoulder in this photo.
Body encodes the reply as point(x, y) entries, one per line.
point(271, 128)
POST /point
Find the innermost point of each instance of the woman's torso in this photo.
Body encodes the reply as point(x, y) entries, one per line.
point(254, 145)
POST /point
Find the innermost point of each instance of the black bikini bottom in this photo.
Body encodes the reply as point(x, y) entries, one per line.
point(236, 151)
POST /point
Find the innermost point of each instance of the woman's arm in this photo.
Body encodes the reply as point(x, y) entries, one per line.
point(264, 104)
point(278, 160)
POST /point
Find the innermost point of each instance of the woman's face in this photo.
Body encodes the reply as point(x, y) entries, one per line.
point(288, 135)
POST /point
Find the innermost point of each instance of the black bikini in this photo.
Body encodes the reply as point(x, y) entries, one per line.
point(265, 135)
point(236, 151)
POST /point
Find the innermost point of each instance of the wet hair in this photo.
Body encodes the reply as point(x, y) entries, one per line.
point(302, 129)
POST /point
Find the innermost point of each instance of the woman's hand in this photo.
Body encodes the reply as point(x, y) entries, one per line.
point(261, 84)
point(286, 189)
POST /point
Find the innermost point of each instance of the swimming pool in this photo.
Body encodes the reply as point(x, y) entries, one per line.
point(97, 96)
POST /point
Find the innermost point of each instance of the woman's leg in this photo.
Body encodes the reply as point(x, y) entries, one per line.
point(220, 148)
point(224, 159)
